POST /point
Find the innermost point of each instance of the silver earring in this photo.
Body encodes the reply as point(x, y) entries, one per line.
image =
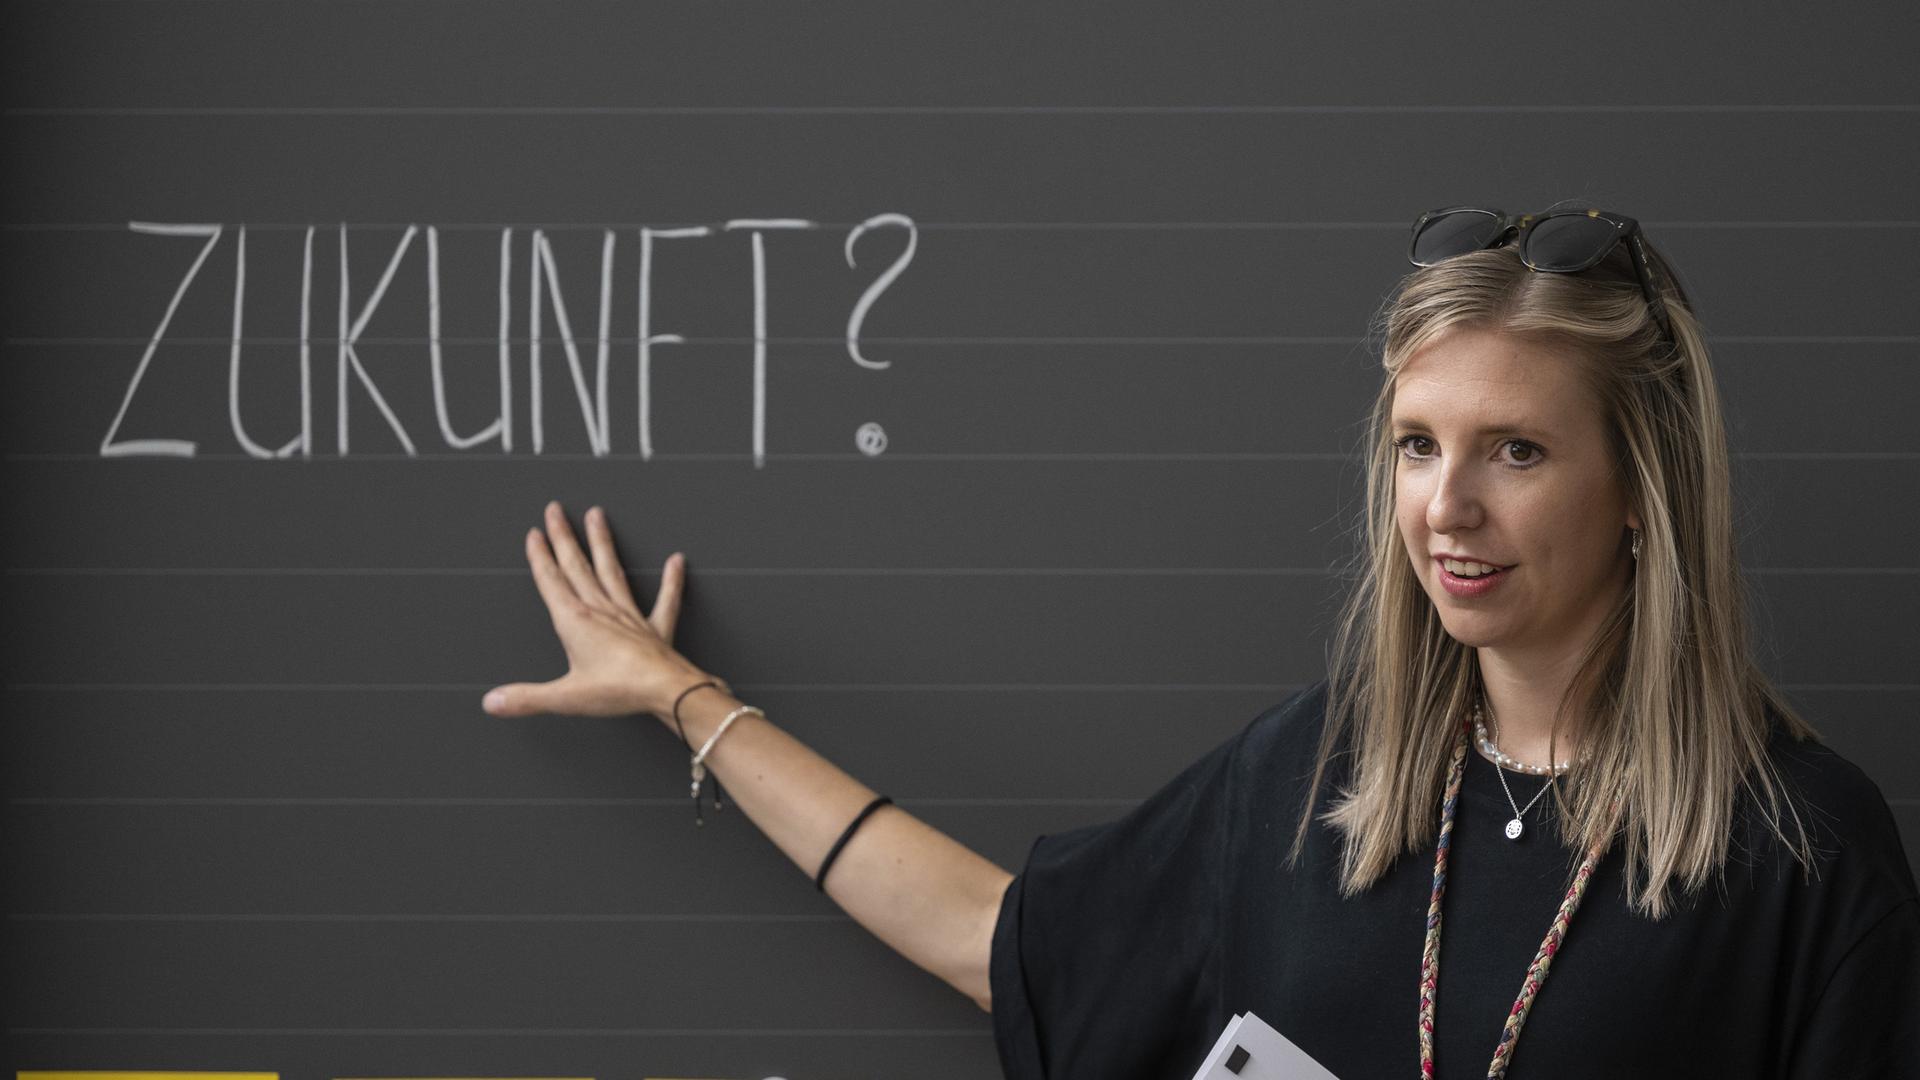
point(1636, 542)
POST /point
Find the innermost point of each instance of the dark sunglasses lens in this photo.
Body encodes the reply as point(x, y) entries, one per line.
point(1568, 243)
point(1453, 234)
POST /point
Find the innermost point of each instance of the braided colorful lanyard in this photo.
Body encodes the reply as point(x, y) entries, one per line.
point(1430, 959)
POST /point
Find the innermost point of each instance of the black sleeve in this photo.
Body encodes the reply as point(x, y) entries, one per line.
point(1103, 956)
point(1866, 1022)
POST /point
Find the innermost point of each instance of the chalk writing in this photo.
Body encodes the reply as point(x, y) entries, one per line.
point(544, 293)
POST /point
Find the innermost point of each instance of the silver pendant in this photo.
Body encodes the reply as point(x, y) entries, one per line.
point(1514, 829)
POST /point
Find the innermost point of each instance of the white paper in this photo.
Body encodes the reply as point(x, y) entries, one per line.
point(1269, 1055)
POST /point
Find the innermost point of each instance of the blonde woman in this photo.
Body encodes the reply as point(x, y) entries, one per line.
point(1543, 749)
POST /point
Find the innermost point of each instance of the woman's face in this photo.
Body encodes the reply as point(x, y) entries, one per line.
point(1502, 457)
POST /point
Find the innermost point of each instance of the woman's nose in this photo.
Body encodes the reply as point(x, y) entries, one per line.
point(1454, 503)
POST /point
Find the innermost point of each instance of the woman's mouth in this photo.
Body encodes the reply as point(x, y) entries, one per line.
point(1479, 585)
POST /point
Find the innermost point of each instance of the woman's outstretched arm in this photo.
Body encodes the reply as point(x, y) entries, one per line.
point(931, 899)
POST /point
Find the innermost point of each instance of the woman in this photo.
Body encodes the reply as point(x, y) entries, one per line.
point(1542, 721)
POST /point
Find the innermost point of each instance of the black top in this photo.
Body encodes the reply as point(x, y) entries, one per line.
point(1122, 949)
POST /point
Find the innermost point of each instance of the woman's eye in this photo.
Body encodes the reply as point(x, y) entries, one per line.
point(1529, 453)
point(1521, 454)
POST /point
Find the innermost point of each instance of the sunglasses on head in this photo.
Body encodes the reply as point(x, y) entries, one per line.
point(1558, 242)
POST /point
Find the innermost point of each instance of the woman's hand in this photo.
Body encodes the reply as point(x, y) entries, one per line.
point(619, 660)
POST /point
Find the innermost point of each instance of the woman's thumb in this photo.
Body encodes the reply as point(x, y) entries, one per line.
point(517, 699)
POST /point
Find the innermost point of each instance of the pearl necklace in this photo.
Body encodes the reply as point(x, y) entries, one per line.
point(1492, 751)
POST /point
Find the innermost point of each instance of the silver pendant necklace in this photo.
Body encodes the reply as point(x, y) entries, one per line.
point(1516, 826)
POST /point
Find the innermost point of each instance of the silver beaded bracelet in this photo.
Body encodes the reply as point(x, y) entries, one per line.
point(700, 760)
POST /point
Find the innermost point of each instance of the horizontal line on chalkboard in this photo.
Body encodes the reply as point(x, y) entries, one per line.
point(941, 226)
point(736, 341)
point(569, 1033)
point(560, 917)
point(743, 456)
point(784, 688)
point(794, 571)
point(759, 688)
point(907, 110)
point(1090, 456)
point(731, 571)
point(676, 802)
point(402, 917)
point(1271, 339)
point(834, 456)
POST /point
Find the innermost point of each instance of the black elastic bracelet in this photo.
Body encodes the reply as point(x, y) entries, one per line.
point(820, 879)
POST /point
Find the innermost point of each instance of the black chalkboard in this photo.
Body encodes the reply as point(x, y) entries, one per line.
point(998, 368)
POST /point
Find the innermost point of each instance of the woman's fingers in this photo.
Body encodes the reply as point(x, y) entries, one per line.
point(547, 577)
point(666, 606)
point(573, 563)
point(618, 660)
point(606, 561)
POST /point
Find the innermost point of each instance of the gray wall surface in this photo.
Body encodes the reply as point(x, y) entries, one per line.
point(255, 816)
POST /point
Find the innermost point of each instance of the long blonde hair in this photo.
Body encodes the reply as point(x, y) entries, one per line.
point(1676, 716)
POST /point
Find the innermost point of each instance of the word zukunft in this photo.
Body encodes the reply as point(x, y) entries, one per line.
point(544, 282)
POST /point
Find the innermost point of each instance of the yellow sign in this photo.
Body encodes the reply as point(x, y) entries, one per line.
point(118, 1075)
